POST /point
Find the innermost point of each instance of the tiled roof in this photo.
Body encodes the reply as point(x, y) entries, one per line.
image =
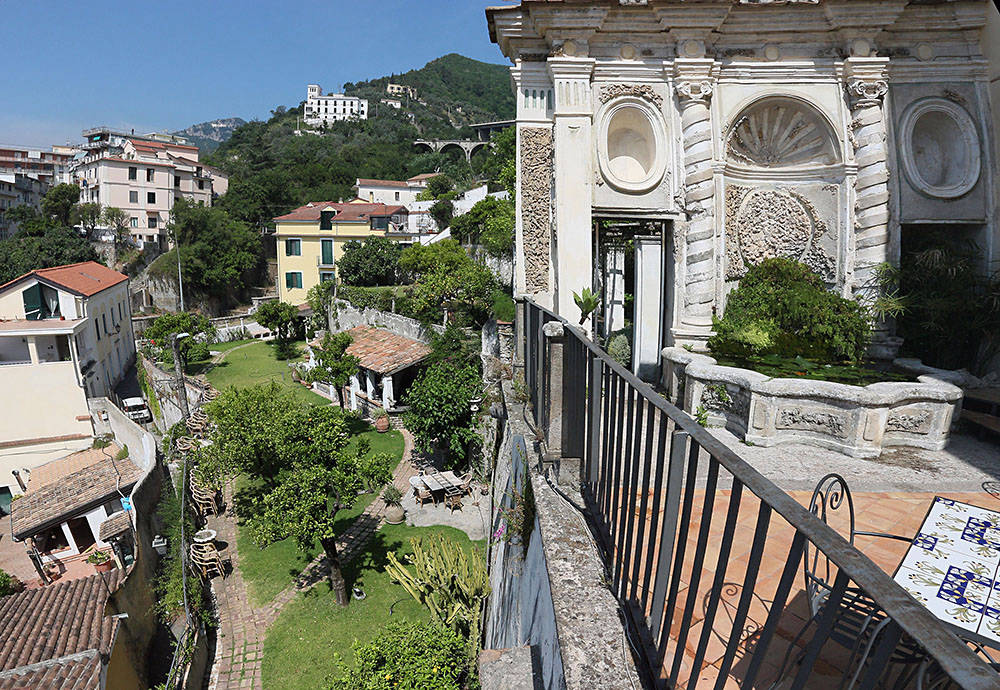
point(74, 493)
point(73, 672)
point(50, 623)
point(423, 177)
point(86, 278)
point(381, 183)
point(384, 352)
point(55, 470)
point(139, 143)
point(59, 325)
point(345, 212)
point(119, 523)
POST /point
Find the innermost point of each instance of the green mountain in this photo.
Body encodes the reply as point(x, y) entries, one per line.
point(272, 169)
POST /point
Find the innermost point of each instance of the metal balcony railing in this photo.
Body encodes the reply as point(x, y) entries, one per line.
point(702, 551)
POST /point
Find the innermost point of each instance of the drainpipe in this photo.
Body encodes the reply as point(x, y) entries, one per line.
point(20, 482)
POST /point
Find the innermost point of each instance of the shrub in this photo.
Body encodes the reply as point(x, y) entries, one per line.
point(503, 306)
point(406, 655)
point(198, 352)
point(9, 584)
point(392, 495)
point(370, 263)
point(620, 349)
point(781, 307)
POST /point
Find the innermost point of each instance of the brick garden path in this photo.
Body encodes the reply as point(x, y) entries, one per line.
point(242, 627)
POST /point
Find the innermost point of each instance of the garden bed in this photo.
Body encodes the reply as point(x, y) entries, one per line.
point(855, 420)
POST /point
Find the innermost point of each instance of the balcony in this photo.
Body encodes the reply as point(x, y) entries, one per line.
point(705, 555)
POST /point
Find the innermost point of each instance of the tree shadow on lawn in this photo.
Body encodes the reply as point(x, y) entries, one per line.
point(374, 558)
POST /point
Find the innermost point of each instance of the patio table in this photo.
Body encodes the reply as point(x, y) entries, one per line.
point(440, 481)
point(951, 568)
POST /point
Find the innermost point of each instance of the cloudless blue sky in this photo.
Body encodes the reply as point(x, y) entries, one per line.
point(164, 65)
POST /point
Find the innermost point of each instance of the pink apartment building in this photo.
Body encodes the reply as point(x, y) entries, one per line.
point(144, 178)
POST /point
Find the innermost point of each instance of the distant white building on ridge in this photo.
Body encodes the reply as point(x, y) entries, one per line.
point(320, 109)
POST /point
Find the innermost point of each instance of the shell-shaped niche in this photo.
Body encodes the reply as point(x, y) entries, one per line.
point(631, 148)
point(781, 132)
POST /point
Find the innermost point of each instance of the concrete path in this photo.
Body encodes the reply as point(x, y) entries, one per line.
point(242, 626)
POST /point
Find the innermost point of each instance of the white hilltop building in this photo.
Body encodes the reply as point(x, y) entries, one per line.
point(704, 137)
point(320, 109)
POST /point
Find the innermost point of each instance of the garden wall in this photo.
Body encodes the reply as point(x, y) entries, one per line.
point(854, 420)
point(550, 596)
point(166, 393)
point(346, 316)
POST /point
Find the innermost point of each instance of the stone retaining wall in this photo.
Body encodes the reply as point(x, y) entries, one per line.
point(854, 420)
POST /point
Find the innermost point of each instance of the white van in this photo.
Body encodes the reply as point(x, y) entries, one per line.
point(136, 410)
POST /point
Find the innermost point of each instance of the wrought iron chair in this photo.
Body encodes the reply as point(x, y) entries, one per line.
point(423, 494)
point(859, 621)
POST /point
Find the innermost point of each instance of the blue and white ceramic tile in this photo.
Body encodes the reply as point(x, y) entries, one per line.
point(951, 568)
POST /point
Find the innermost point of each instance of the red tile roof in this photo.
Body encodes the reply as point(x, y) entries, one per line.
point(53, 622)
point(362, 182)
point(345, 212)
point(72, 494)
point(139, 143)
point(384, 352)
point(73, 672)
point(423, 177)
point(86, 278)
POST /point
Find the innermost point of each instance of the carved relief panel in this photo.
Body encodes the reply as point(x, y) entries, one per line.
point(784, 188)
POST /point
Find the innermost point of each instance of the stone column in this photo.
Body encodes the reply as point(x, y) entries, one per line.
point(387, 393)
point(866, 85)
point(613, 291)
point(573, 170)
point(646, 343)
point(694, 85)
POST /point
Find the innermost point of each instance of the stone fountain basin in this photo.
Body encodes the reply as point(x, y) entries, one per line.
point(858, 421)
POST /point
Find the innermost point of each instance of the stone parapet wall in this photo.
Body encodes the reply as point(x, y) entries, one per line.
point(854, 420)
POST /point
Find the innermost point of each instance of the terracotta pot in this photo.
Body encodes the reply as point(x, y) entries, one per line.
point(105, 566)
point(382, 424)
point(394, 515)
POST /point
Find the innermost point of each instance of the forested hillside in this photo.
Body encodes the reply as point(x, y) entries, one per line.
point(273, 170)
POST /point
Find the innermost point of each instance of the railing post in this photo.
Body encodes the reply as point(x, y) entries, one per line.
point(554, 353)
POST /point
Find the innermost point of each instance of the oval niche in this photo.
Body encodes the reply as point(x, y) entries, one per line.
point(631, 149)
point(940, 148)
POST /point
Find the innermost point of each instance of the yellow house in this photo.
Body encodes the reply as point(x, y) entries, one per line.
point(312, 237)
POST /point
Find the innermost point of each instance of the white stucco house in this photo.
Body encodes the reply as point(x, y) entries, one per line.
point(65, 336)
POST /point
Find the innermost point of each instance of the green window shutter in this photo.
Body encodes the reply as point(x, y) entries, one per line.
point(288, 248)
point(33, 302)
point(298, 280)
point(327, 246)
point(289, 280)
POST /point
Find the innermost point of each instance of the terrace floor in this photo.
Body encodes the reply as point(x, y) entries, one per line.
point(891, 494)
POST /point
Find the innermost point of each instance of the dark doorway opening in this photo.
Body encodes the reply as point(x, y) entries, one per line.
point(82, 534)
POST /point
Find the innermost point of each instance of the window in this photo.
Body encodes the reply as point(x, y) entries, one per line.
point(327, 252)
point(201, 184)
point(149, 174)
point(326, 220)
point(97, 330)
point(293, 247)
point(133, 197)
point(132, 173)
point(177, 180)
point(397, 196)
point(325, 276)
point(133, 222)
point(293, 279)
point(104, 320)
point(153, 221)
point(151, 197)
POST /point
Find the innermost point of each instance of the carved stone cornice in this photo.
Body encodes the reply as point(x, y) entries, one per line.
point(643, 91)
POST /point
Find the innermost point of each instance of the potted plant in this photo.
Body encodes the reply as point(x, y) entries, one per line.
point(393, 497)
point(381, 420)
point(101, 560)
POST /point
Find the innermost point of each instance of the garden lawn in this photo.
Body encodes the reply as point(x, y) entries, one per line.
point(256, 364)
point(301, 646)
point(270, 570)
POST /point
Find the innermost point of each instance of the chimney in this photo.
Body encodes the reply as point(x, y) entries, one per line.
point(20, 482)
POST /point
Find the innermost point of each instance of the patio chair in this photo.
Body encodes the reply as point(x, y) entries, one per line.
point(466, 483)
point(859, 621)
point(453, 501)
point(206, 560)
point(423, 494)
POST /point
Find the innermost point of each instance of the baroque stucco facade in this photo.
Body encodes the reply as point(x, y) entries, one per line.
point(738, 130)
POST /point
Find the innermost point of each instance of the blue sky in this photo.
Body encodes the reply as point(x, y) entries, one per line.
point(156, 65)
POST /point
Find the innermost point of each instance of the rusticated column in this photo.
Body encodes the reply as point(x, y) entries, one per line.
point(694, 87)
point(866, 86)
